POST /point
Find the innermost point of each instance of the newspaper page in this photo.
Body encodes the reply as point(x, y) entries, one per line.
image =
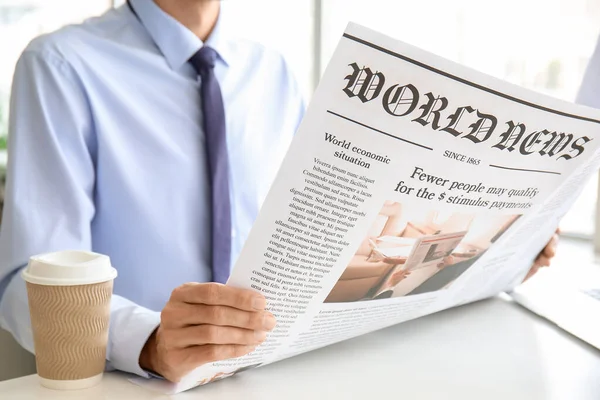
point(413, 185)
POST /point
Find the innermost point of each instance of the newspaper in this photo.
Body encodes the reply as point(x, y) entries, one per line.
point(413, 185)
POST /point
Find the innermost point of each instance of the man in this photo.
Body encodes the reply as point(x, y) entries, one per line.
point(117, 145)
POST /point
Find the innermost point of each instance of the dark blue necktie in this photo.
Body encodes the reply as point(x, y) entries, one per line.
point(213, 112)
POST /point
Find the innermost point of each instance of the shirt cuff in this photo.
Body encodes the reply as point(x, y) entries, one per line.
point(130, 328)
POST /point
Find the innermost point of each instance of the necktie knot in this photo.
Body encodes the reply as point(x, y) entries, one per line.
point(204, 59)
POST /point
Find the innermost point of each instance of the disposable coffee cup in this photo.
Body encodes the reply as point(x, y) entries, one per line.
point(69, 302)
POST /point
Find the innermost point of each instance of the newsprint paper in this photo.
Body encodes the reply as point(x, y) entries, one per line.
point(413, 185)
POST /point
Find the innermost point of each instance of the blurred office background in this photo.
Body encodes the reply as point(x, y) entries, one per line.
point(543, 45)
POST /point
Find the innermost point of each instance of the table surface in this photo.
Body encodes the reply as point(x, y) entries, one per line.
point(493, 349)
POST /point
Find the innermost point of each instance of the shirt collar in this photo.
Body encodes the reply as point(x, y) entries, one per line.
point(175, 41)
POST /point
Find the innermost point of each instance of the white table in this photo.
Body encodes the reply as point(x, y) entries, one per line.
point(488, 350)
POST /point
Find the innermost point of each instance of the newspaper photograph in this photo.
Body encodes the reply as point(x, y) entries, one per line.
point(413, 247)
point(413, 185)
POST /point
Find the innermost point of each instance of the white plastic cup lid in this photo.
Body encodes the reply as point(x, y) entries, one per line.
point(69, 268)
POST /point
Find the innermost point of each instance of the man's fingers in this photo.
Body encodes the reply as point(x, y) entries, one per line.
point(542, 261)
point(550, 249)
point(206, 322)
point(200, 355)
point(212, 334)
point(549, 252)
point(218, 294)
point(184, 314)
point(532, 271)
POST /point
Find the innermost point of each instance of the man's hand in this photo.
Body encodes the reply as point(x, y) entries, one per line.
point(545, 256)
point(202, 323)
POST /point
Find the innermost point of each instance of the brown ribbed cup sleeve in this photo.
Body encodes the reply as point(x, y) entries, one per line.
point(70, 329)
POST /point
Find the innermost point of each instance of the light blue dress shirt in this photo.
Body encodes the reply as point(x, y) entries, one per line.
point(106, 153)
